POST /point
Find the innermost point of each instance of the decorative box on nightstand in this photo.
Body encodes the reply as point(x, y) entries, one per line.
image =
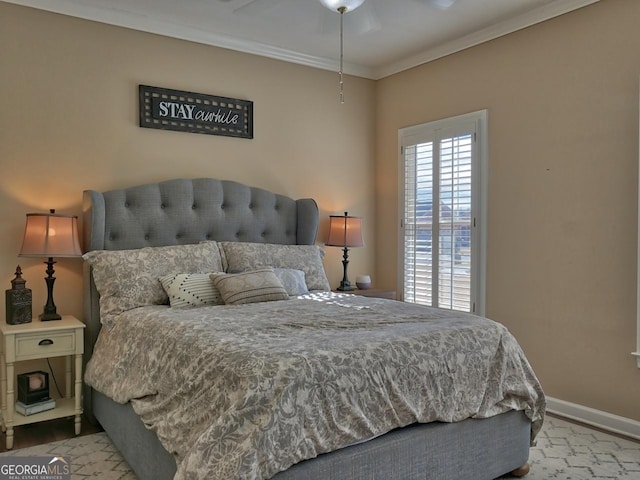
point(373, 292)
point(29, 341)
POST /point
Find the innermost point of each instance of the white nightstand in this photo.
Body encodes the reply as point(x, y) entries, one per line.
point(34, 340)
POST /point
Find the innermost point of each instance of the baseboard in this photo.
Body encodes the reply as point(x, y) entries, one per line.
point(597, 418)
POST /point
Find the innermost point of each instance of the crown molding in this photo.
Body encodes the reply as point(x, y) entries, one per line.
point(122, 18)
point(538, 15)
point(143, 23)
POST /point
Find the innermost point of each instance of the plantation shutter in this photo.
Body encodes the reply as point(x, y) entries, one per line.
point(439, 217)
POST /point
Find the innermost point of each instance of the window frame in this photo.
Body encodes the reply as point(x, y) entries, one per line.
point(430, 131)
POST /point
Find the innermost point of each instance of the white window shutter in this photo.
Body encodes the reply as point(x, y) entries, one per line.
point(440, 211)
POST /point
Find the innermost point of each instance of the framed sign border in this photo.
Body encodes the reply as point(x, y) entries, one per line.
point(148, 93)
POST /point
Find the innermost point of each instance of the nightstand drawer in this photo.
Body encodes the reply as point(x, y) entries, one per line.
point(41, 345)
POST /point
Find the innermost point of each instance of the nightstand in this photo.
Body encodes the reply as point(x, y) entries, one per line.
point(373, 292)
point(34, 340)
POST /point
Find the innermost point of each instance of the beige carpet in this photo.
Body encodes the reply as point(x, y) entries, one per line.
point(565, 451)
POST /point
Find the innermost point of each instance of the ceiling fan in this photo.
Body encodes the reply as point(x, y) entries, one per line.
point(367, 19)
point(363, 22)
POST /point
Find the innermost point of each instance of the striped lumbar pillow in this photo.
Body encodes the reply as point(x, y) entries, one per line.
point(260, 285)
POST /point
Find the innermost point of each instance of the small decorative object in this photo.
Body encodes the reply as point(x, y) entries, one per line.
point(363, 282)
point(50, 235)
point(18, 300)
point(345, 231)
point(33, 387)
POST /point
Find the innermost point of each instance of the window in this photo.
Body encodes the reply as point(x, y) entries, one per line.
point(442, 202)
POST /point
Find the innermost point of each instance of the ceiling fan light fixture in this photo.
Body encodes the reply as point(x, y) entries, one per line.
point(336, 5)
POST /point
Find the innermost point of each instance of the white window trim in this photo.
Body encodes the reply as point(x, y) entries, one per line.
point(481, 118)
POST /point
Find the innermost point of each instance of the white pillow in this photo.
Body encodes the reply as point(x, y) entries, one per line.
point(187, 290)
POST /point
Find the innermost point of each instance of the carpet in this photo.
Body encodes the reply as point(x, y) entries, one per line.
point(567, 451)
point(564, 451)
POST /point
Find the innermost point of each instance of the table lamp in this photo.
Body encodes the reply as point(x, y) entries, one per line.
point(345, 232)
point(50, 235)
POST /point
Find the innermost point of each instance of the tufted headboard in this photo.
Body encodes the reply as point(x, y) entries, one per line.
point(188, 211)
point(181, 211)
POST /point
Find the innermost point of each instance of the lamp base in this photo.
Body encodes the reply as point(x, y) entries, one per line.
point(45, 317)
point(50, 311)
point(345, 284)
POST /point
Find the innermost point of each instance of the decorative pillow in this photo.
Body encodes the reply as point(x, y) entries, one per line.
point(244, 256)
point(249, 287)
point(292, 280)
point(128, 279)
point(187, 290)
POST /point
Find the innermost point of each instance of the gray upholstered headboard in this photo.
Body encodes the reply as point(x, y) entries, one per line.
point(183, 211)
point(188, 211)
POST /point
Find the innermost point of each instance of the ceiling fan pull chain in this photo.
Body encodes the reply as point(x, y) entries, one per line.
point(341, 6)
point(341, 10)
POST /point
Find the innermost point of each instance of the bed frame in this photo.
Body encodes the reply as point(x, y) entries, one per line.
point(189, 211)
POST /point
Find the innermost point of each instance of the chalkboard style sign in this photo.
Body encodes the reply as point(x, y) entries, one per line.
point(195, 112)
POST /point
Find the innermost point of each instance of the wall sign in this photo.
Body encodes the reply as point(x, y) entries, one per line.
point(195, 112)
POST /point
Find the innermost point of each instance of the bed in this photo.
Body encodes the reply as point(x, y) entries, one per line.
point(143, 241)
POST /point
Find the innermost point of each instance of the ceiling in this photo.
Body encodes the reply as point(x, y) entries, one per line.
point(382, 37)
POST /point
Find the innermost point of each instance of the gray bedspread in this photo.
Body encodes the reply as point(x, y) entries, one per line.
point(247, 391)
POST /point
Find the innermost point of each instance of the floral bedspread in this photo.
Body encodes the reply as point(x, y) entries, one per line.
point(247, 391)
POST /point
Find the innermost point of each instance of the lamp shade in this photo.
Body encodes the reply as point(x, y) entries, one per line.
point(50, 235)
point(345, 231)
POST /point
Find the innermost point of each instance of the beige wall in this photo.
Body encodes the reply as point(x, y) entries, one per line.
point(563, 118)
point(69, 122)
point(562, 98)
